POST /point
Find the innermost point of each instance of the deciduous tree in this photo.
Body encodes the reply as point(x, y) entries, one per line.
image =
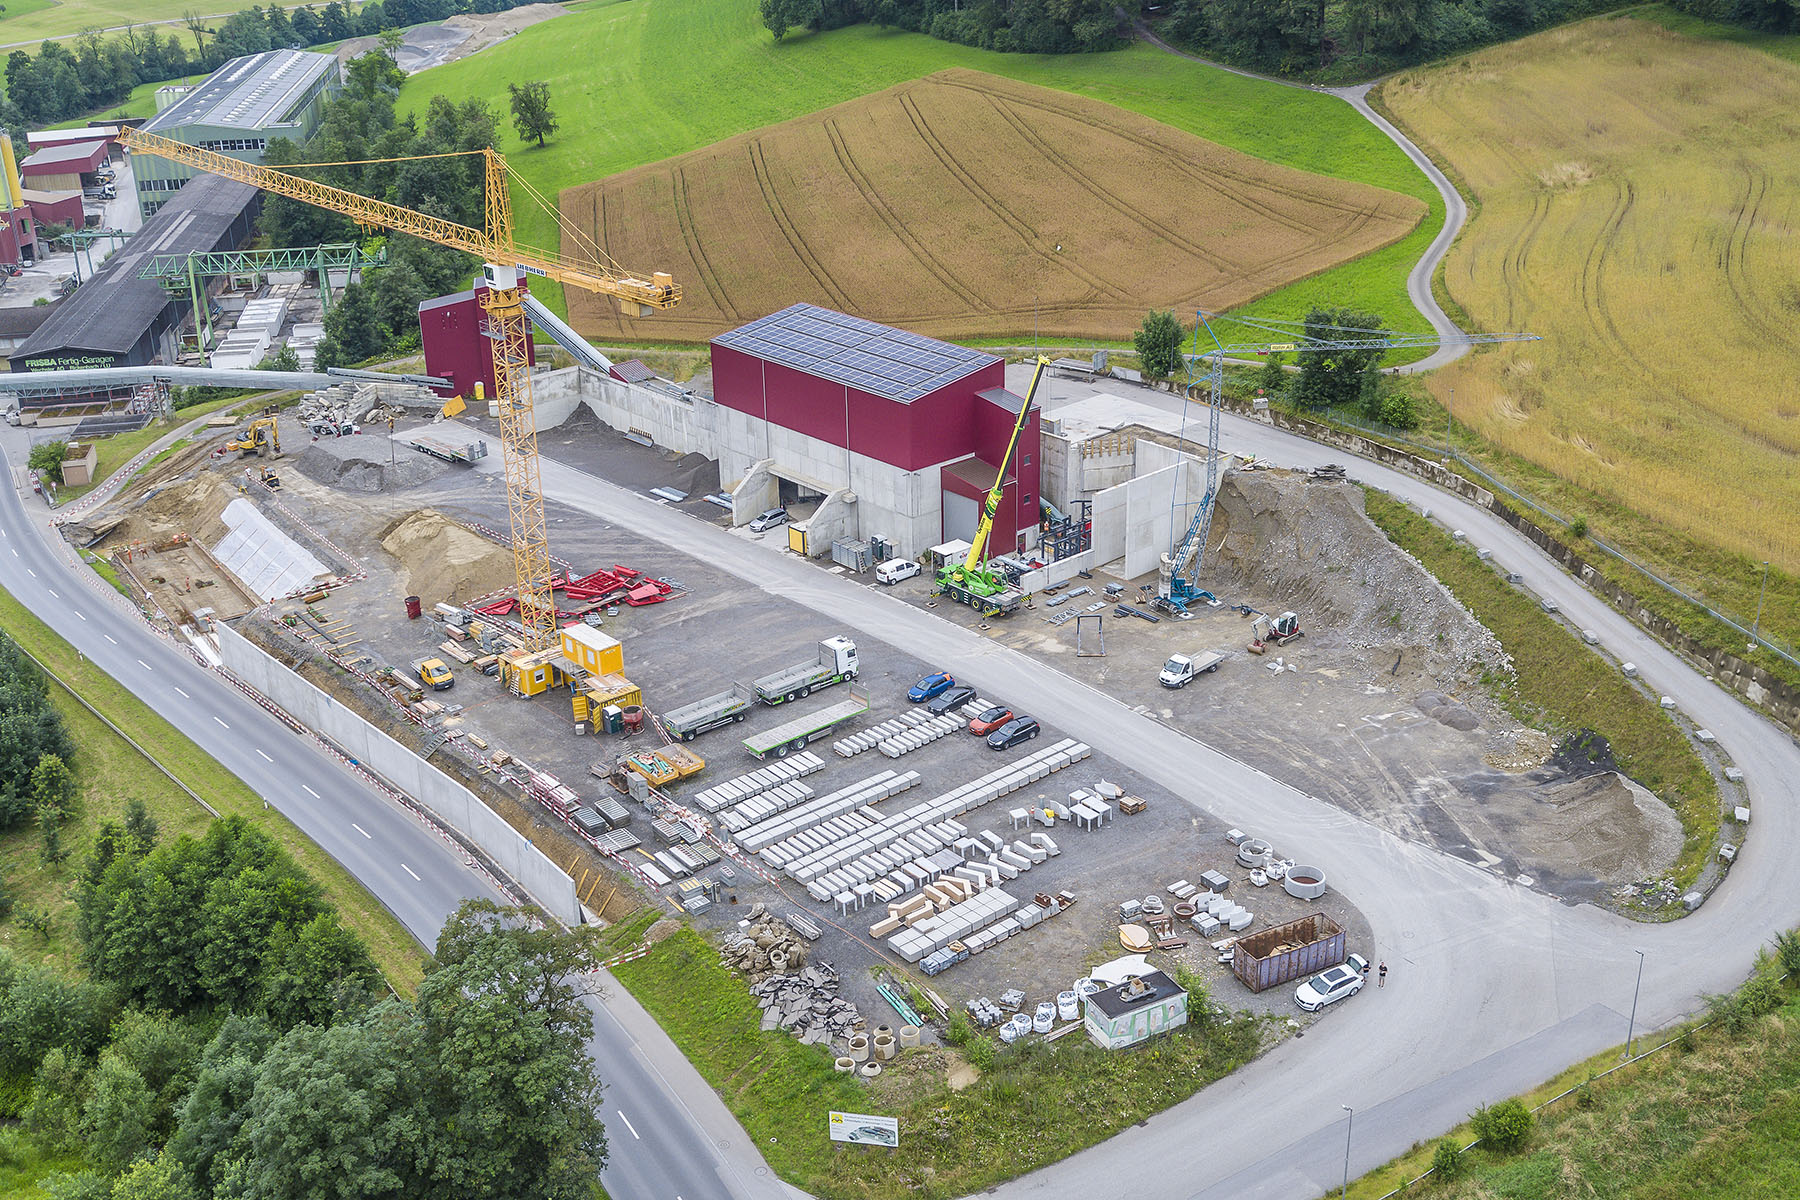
point(531, 110)
point(1158, 343)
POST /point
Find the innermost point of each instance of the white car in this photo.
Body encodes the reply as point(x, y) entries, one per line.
point(896, 569)
point(1328, 987)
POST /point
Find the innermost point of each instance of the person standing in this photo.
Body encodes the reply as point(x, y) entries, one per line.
point(1381, 975)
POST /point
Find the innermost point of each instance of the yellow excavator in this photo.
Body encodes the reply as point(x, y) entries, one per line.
point(262, 436)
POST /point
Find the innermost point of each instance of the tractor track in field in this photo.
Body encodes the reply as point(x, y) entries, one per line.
point(872, 197)
point(1743, 221)
point(690, 233)
point(772, 200)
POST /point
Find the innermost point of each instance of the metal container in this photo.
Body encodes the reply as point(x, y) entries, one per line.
point(1287, 952)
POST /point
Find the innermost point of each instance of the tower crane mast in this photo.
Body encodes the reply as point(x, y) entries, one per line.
point(1175, 581)
point(507, 327)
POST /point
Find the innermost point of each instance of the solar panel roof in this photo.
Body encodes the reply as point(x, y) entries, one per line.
point(872, 358)
point(254, 92)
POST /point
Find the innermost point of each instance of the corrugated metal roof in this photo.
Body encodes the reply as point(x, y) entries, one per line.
point(249, 93)
point(633, 371)
point(68, 152)
point(111, 311)
point(873, 358)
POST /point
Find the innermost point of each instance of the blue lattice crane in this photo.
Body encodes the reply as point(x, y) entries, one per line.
point(1175, 584)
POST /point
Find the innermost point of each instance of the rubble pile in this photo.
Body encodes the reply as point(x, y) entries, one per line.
point(795, 995)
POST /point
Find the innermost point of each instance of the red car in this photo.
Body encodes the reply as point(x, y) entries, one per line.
point(990, 720)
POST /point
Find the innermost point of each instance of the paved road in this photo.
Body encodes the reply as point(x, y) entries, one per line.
point(1494, 987)
point(1456, 212)
point(671, 1136)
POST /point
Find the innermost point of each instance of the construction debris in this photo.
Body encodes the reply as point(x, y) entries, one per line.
point(794, 995)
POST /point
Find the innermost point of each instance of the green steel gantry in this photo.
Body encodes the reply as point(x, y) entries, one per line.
point(188, 272)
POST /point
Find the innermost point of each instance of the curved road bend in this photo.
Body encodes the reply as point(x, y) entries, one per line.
point(1456, 211)
point(671, 1137)
point(1495, 987)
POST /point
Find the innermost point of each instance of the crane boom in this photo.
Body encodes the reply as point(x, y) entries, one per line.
point(991, 505)
point(507, 328)
point(495, 244)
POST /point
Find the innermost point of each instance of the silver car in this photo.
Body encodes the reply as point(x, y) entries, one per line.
point(769, 520)
point(1328, 987)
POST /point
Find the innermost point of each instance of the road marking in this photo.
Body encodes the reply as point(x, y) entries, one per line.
point(184, 695)
point(143, 664)
point(15, 554)
point(30, 572)
point(360, 829)
point(628, 1124)
point(53, 594)
point(265, 757)
point(310, 792)
point(81, 614)
point(222, 724)
point(411, 872)
point(109, 637)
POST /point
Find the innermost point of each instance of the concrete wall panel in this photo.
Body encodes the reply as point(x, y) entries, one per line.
point(450, 801)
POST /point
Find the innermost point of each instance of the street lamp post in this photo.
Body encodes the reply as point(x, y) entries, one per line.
point(1349, 1124)
point(1631, 1026)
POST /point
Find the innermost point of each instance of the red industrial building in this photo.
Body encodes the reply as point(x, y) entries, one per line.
point(912, 427)
point(66, 167)
point(450, 334)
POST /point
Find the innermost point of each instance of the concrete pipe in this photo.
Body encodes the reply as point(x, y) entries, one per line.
point(1304, 883)
point(883, 1031)
point(845, 1065)
point(909, 1036)
point(859, 1047)
point(869, 1070)
point(885, 1048)
point(778, 961)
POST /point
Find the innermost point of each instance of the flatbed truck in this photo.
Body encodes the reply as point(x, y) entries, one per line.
point(691, 720)
point(795, 734)
point(447, 450)
point(836, 662)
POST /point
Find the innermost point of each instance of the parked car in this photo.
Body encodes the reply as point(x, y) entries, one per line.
point(951, 698)
point(990, 719)
point(12, 416)
point(1328, 987)
point(929, 687)
point(769, 520)
point(896, 569)
point(1019, 729)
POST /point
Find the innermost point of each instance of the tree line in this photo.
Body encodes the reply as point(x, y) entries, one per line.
point(1009, 26)
point(232, 1039)
point(63, 81)
point(1361, 38)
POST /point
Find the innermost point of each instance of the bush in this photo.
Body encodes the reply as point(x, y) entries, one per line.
point(47, 459)
point(1158, 344)
point(1503, 1126)
point(1399, 412)
point(1578, 528)
point(1787, 952)
point(1446, 1160)
point(980, 1053)
point(959, 1032)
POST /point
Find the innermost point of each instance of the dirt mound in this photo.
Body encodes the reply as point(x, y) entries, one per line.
point(1311, 547)
point(443, 561)
point(1609, 827)
point(366, 463)
point(1445, 711)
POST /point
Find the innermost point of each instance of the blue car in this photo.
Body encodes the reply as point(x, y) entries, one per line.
point(931, 685)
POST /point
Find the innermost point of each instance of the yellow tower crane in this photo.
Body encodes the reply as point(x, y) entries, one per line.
point(507, 327)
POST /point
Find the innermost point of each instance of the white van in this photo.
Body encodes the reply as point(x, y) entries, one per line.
point(896, 569)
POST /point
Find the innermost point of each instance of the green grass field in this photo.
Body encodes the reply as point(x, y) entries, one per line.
point(31, 21)
point(635, 83)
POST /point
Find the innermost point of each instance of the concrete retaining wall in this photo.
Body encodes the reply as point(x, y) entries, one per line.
point(450, 801)
point(1060, 571)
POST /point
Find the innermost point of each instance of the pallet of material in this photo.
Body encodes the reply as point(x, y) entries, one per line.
point(457, 652)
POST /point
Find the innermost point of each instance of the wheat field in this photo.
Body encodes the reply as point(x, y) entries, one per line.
point(939, 204)
point(1639, 196)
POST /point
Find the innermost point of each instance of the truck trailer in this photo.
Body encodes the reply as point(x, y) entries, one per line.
point(835, 663)
point(795, 734)
point(691, 720)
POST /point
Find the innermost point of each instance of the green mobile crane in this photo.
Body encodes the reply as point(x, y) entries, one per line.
point(970, 582)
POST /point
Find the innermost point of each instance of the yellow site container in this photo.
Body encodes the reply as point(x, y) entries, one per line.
point(592, 651)
point(796, 539)
point(531, 674)
point(602, 690)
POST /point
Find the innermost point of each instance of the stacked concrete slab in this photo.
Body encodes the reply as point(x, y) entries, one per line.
point(953, 924)
point(873, 736)
point(743, 787)
point(779, 828)
point(266, 313)
point(777, 799)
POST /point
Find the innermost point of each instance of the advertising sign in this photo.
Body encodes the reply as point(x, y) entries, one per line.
point(865, 1130)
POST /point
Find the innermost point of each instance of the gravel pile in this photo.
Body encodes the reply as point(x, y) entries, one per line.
point(364, 462)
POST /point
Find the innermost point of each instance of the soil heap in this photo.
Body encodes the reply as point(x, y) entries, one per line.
point(443, 561)
point(1309, 543)
point(366, 463)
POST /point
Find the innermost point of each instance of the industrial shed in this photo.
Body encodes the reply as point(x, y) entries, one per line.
point(116, 319)
point(900, 433)
point(67, 166)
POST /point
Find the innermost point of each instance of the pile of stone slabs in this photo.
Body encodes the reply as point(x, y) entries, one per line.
point(776, 831)
point(953, 924)
point(890, 830)
point(616, 842)
point(873, 736)
point(736, 791)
